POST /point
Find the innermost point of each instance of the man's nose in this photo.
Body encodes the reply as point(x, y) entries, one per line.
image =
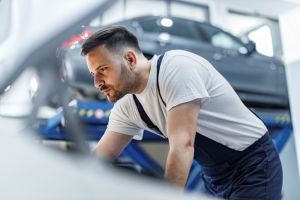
point(98, 83)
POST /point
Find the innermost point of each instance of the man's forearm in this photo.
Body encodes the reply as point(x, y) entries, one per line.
point(104, 154)
point(178, 165)
point(111, 145)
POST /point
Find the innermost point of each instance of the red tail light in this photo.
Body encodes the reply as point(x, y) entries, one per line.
point(77, 38)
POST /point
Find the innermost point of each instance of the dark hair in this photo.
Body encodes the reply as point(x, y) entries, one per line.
point(113, 38)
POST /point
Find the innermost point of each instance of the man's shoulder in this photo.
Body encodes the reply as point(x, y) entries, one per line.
point(182, 60)
point(182, 56)
point(181, 53)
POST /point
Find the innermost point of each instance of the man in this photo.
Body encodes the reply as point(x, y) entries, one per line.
point(179, 95)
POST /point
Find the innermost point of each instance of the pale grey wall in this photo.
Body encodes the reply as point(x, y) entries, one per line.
point(291, 181)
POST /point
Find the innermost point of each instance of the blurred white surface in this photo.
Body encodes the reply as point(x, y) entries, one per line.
point(31, 171)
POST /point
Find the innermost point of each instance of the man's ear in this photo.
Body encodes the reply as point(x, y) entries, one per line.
point(131, 58)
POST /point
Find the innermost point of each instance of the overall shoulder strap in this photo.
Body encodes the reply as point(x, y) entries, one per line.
point(145, 117)
point(157, 77)
point(140, 108)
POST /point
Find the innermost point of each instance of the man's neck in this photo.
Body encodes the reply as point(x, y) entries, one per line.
point(144, 75)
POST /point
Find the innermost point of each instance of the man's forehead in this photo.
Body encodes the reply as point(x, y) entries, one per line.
point(95, 54)
point(98, 57)
point(92, 60)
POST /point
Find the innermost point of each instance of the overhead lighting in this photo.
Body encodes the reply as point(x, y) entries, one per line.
point(164, 37)
point(166, 22)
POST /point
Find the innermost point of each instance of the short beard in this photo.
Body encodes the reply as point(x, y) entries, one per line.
point(128, 84)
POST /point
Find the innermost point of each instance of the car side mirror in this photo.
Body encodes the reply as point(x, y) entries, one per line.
point(251, 47)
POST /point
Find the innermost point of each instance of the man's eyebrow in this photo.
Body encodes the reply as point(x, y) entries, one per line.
point(98, 68)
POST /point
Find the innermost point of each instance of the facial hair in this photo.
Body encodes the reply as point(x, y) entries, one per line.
point(128, 83)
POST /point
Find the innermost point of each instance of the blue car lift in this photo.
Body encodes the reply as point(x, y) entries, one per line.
point(94, 116)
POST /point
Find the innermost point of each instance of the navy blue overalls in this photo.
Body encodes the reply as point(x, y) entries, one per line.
point(253, 174)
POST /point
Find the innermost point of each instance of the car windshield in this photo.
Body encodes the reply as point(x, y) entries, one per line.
point(179, 28)
point(191, 30)
point(217, 37)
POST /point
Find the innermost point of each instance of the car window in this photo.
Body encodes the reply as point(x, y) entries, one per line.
point(217, 37)
point(225, 41)
point(5, 19)
point(179, 28)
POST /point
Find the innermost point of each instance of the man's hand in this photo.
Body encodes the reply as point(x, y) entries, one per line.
point(111, 145)
point(181, 125)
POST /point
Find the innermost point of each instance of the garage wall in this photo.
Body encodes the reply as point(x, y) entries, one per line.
point(290, 35)
point(124, 9)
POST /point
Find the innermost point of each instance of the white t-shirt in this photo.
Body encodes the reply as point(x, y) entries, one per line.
point(184, 77)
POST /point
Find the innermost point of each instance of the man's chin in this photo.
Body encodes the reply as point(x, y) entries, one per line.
point(113, 98)
point(109, 99)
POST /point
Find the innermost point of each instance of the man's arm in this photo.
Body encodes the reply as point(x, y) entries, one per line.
point(112, 144)
point(181, 125)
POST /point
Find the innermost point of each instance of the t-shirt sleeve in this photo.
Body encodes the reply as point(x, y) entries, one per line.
point(120, 121)
point(183, 79)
